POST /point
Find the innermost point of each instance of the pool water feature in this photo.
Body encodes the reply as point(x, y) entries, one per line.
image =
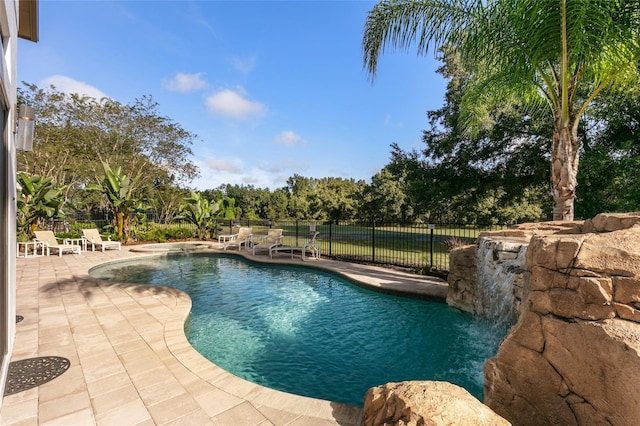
point(313, 333)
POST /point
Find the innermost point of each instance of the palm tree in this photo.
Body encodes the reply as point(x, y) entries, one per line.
point(559, 52)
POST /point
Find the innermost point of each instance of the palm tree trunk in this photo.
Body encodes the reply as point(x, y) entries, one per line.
point(119, 223)
point(125, 227)
point(564, 172)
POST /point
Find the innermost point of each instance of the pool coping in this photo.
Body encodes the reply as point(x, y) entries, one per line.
point(140, 328)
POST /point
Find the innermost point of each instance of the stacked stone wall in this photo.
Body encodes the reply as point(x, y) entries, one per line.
point(573, 358)
point(463, 278)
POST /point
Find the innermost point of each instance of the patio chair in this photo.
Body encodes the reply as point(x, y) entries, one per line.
point(51, 243)
point(93, 236)
point(243, 237)
point(310, 246)
point(268, 242)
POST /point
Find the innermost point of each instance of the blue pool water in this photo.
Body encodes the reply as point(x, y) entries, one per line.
point(313, 333)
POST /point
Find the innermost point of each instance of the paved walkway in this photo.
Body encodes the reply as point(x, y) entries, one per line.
point(130, 361)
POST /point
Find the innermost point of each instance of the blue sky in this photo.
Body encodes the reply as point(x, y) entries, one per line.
point(271, 88)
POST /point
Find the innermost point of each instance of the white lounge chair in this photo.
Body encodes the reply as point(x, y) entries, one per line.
point(268, 242)
point(93, 237)
point(310, 246)
point(243, 237)
point(51, 243)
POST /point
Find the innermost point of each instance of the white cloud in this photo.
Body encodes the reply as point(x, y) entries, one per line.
point(297, 166)
point(215, 172)
point(234, 104)
point(222, 165)
point(186, 83)
point(69, 85)
point(244, 65)
point(289, 138)
point(264, 179)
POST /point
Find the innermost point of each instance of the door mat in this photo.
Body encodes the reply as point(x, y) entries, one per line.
point(31, 372)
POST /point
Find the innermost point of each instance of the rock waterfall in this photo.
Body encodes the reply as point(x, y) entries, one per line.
point(499, 287)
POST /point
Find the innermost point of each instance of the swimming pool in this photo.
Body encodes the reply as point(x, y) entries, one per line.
point(313, 333)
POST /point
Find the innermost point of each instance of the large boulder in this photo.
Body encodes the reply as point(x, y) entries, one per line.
point(573, 358)
point(425, 403)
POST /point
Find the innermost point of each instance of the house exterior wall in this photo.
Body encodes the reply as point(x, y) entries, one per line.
point(8, 94)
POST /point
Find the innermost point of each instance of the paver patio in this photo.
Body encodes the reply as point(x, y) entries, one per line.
point(131, 363)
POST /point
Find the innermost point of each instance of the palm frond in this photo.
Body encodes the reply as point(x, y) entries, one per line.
point(542, 51)
point(399, 24)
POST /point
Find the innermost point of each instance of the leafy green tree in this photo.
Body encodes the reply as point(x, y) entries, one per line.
point(121, 192)
point(301, 191)
point(256, 203)
point(475, 176)
point(339, 199)
point(75, 134)
point(560, 52)
point(165, 198)
point(56, 149)
point(213, 194)
point(247, 198)
point(433, 193)
point(386, 199)
point(227, 209)
point(610, 176)
point(438, 193)
point(200, 212)
point(275, 205)
point(39, 199)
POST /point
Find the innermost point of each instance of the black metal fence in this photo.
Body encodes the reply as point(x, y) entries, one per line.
point(423, 247)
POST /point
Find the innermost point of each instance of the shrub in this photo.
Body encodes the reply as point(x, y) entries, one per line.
point(453, 243)
point(163, 233)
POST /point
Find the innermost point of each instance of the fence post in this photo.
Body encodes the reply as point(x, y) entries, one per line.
point(330, 237)
point(297, 232)
point(373, 240)
point(431, 227)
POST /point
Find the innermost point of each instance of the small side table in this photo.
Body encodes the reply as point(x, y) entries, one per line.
point(82, 242)
point(224, 239)
point(38, 247)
